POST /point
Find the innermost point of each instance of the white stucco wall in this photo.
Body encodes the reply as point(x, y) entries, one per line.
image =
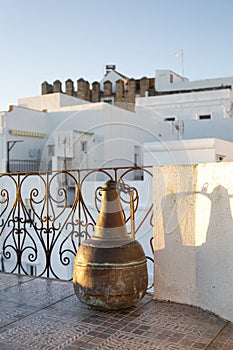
point(162, 79)
point(23, 119)
point(50, 102)
point(193, 235)
point(180, 83)
point(217, 128)
point(186, 109)
point(188, 106)
point(116, 131)
point(187, 151)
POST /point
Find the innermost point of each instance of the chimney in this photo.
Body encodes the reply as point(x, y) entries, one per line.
point(109, 68)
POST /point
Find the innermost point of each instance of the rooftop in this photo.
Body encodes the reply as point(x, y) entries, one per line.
point(39, 313)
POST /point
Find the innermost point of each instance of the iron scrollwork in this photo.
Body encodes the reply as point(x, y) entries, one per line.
point(44, 217)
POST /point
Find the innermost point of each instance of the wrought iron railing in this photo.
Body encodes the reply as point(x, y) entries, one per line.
point(26, 166)
point(44, 216)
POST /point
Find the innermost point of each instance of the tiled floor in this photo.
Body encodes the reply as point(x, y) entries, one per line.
point(45, 314)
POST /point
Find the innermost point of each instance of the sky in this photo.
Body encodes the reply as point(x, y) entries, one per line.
point(46, 40)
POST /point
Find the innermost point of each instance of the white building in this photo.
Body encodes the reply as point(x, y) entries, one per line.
point(199, 109)
point(167, 80)
point(190, 151)
point(60, 134)
point(58, 131)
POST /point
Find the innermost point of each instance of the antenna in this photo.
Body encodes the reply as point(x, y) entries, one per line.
point(180, 54)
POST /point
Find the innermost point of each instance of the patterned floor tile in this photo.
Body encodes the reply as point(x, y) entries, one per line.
point(127, 341)
point(224, 341)
point(44, 331)
point(65, 324)
point(10, 280)
point(10, 312)
point(46, 314)
point(39, 292)
point(163, 326)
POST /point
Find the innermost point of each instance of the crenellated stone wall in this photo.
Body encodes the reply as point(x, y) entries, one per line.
point(95, 92)
point(124, 97)
point(70, 88)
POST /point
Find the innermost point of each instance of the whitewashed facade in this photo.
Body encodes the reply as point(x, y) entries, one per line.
point(190, 151)
point(180, 110)
point(193, 208)
point(200, 109)
point(90, 135)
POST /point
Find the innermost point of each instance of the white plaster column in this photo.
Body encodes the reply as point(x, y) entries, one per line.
point(193, 207)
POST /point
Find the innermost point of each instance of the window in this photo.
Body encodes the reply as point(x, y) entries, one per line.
point(171, 78)
point(138, 173)
point(137, 156)
point(51, 150)
point(108, 101)
point(206, 116)
point(170, 119)
point(84, 146)
point(136, 159)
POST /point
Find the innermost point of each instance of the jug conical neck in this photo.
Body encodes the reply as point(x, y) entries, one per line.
point(111, 221)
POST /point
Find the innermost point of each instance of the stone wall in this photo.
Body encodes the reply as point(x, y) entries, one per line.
point(124, 97)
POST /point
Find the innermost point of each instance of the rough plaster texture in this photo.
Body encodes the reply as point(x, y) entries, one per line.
point(193, 235)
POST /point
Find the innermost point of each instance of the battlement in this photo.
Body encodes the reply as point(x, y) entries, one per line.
point(121, 93)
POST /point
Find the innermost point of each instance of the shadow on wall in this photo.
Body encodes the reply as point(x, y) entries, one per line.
point(195, 265)
point(215, 256)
